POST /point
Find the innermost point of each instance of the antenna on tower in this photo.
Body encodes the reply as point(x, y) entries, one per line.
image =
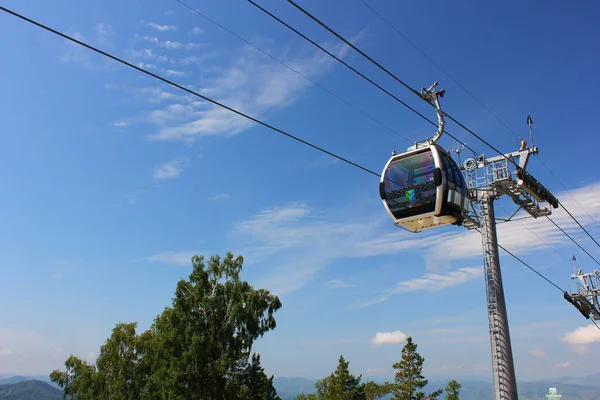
point(530, 123)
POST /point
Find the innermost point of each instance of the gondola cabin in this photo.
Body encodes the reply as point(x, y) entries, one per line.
point(424, 188)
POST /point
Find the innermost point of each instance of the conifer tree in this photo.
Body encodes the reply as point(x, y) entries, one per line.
point(409, 380)
point(452, 390)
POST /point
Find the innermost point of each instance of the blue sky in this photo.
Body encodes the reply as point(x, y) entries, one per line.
point(112, 180)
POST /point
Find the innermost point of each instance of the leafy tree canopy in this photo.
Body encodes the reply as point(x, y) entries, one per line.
point(199, 348)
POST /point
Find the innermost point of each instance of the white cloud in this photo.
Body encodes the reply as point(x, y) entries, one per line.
point(197, 31)
point(329, 343)
point(5, 351)
point(382, 338)
point(175, 258)
point(375, 371)
point(74, 53)
point(537, 353)
point(28, 352)
point(120, 124)
point(173, 72)
point(217, 197)
point(564, 365)
point(144, 65)
point(169, 44)
point(105, 35)
point(171, 169)
point(338, 284)
point(161, 28)
point(428, 282)
point(584, 335)
point(193, 46)
point(250, 84)
point(293, 243)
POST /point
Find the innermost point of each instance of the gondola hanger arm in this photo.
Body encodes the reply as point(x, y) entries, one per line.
point(432, 96)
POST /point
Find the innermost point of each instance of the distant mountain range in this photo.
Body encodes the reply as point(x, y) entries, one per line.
point(571, 388)
point(39, 387)
point(29, 390)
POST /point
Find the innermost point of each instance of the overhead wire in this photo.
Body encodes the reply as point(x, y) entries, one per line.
point(292, 69)
point(354, 47)
point(438, 66)
point(477, 100)
point(393, 76)
point(356, 72)
point(573, 240)
point(176, 85)
point(568, 191)
point(466, 91)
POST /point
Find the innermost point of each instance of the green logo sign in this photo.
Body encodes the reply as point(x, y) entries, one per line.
point(553, 394)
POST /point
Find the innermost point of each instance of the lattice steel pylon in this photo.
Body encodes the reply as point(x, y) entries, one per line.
point(488, 179)
point(587, 296)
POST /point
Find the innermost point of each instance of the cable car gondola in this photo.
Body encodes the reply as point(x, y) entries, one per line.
point(424, 188)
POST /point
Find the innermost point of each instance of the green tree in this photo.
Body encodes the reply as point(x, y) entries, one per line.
point(409, 380)
point(311, 396)
point(452, 390)
point(339, 385)
point(199, 348)
point(374, 391)
point(255, 382)
point(343, 385)
point(78, 381)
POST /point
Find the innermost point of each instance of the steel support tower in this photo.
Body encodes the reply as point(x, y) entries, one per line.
point(503, 369)
point(488, 179)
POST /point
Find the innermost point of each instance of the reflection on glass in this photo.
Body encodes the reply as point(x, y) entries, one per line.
point(409, 183)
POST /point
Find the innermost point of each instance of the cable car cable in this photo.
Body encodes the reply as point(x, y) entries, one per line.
point(394, 77)
point(530, 267)
point(128, 64)
point(439, 67)
point(481, 104)
point(292, 69)
point(567, 190)
point(539, 274)
point(356, 72)
point(573, 240)
point(348, 43)
point(578, 223)
point(476, 99)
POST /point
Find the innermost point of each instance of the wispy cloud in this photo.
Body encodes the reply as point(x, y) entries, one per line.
point(158, 27)
point(329, 343)
point(428, 282)
point(28, 352)
point(74, 53)
point(252, 85)
point(375, 371)
point(382, 338)
point(537, 353)
point(173, 258)
point(217, 197)
point(171, 169)
point(176, 73)
point(338, 284)
point(170, 44)
point(120, 124)
point(105, 35)
point(197, 31)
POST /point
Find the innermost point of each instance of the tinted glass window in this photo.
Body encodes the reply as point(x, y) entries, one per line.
point(448, 168)
point(409, 184)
